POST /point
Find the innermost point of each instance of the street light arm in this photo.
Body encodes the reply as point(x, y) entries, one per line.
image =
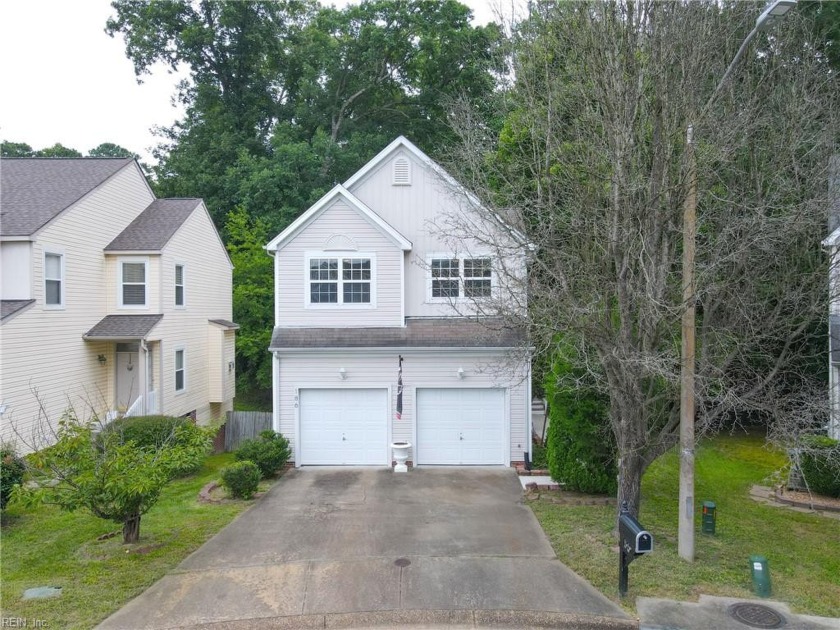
point(731, 67)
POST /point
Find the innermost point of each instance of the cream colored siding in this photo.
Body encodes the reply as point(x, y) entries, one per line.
point(420, 369)
point(16, 270)
point(207, 287)
point(215, 340)
point(42, 349)
point(291, 281)
point(229, 368)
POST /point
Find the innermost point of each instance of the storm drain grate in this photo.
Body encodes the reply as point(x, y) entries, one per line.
point(402, 562)
point(756, 615)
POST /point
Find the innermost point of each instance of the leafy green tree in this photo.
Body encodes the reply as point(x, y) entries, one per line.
point(109, 149)
point(253, 298)
point(112, 479)
point(58, 150)
point(16, 149)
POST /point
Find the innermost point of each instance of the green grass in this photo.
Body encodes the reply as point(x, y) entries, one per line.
point(49, 547)
point(803, 550)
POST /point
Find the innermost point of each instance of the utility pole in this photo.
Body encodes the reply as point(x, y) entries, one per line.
point(685, 541)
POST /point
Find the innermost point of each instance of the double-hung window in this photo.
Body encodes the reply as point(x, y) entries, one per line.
point(340, 280)
point(453, 278)
point(53, 280)
point(180, 372)
point(133, 283)
point(179, 285)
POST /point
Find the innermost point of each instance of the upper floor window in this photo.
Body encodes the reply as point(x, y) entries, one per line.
point(340, 280)
point(461, 277)
point(180, 371)
point(179, 285)
point(133, 283)
point(53, 279)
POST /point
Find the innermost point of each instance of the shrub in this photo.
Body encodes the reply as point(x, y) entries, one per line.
point(12, 469)
point(819, 462)
point(241, 479)
point(579, 444)
point(269, 452)
point(155, 432)
point(147, 431)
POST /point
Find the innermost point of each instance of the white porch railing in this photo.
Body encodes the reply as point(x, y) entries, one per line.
point(136, 408)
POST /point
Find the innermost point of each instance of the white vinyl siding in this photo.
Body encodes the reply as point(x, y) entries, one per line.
point(180, 298)
point(293, 275)
point(363, 369)
point(53, 279)
point(133, 285)
point(422, 213)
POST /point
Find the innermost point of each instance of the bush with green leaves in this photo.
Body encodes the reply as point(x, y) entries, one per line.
point(580, 448)
point(12, 470)
point(241, 479)
point(819, 462)
point(155, 432)
point(113, 479)
point(269, 452)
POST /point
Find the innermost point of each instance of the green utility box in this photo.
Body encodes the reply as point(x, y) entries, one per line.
point(760, 575)
point(709, 517)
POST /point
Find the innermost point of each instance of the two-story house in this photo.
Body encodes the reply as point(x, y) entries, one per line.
point(376, 337)
point(113, 302)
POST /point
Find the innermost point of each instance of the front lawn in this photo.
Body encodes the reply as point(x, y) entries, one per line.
point(803, 550)
point(49, 547)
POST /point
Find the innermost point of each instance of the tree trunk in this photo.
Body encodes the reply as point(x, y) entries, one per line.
point(630, 471)
point(131, 528)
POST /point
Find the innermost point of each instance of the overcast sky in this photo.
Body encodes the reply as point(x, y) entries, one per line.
point(62, 79)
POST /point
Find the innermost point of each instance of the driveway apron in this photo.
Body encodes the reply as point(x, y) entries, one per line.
point(327, 544)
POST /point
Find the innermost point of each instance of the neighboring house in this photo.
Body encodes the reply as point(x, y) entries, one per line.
point(365, 283)
point(113, 302)
point(832, 244)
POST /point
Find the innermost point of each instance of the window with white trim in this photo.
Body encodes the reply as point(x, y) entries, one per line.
point(179, 285)
point(53, 279)
point(133, 276)
point(461, 277)
point(180, 371)
point(340, 280)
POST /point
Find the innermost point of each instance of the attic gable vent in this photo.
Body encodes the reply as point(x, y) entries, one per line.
point(340, 242)
point(402, 172)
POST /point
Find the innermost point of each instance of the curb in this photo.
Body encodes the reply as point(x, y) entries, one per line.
point(430, 619)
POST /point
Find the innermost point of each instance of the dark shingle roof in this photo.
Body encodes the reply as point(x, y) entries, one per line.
point(33, 191)
point(153, 227)
point(10, 307)
point(225, 323)
point(417, 333)
point(123, 327)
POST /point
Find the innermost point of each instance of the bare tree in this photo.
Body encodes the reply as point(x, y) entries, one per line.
point(591, 168)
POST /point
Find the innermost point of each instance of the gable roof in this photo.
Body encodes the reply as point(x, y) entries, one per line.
point(404, 143)
point(153, 227)
point(323, 203)
point(33, 191)
point(10, 307)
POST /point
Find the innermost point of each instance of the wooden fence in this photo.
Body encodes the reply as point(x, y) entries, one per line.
point(244, 425)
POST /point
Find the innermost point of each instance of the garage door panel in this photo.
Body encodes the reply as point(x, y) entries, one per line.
point(343, 427)
point(460, 426)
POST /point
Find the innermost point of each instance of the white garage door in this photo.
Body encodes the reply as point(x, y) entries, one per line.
point(343, 427)
point(460, 426)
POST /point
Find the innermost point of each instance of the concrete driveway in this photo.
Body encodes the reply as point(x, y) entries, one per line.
point(364, 547)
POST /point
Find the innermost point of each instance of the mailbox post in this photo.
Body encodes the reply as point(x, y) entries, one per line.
point(633, 541)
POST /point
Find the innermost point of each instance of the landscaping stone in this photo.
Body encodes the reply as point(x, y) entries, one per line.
point(42, 592)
